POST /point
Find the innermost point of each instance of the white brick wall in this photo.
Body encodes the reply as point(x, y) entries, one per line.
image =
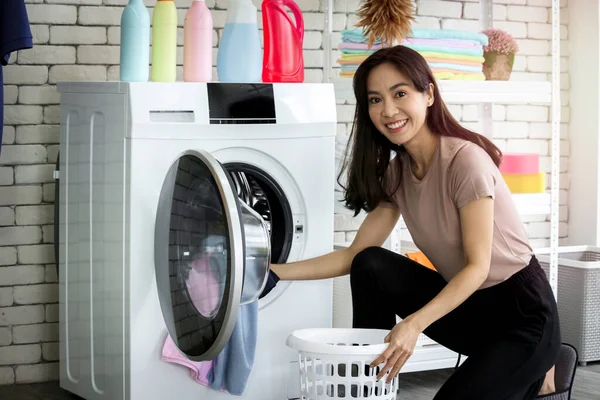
point(78, 40)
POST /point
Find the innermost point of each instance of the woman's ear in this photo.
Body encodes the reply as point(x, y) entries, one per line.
point(430, 96)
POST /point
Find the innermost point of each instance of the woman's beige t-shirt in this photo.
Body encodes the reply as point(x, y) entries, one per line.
point(460, 172)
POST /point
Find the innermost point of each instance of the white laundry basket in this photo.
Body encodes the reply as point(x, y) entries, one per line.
point(334, 364)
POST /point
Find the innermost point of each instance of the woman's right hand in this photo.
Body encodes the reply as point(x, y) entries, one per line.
point(272, 280)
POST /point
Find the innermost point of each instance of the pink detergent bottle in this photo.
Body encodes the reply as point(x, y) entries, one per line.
point(197, 47)
point(283, 60)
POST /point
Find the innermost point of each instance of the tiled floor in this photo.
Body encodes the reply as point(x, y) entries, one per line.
point(414, 386)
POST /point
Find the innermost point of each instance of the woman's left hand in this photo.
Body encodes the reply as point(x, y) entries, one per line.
point(402, 340)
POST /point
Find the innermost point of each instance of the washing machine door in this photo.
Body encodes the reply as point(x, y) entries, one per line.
point(199, 255)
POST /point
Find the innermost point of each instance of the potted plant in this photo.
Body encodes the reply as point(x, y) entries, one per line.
point(499, 55)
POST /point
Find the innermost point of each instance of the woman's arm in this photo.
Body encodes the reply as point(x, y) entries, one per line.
point(376, 227)
point(477, 223)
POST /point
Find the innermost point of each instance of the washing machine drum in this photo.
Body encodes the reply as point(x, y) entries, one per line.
point(212, 254)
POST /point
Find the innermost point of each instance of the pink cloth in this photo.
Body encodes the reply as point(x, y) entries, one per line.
point(204, 292)
point(203, 287)
point(358, 46)
point(198, 370)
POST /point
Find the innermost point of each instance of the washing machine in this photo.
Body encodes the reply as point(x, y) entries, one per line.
point(151, 174)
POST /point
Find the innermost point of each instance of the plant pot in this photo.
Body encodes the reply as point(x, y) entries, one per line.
point(497, 66)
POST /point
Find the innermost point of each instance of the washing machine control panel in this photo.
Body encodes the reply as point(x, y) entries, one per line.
point(241, 103)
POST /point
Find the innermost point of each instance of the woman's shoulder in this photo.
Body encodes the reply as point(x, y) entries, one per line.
point(461, 153)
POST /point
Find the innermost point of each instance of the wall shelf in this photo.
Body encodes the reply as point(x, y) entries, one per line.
point(474, 92)
point(533, 203)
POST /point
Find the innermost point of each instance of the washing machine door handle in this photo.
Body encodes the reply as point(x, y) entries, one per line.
point(199, 255)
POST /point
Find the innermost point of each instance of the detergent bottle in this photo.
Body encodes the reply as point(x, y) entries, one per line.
point(197, 48)
point(164, 42)
point(283, 60)
point(135, 42)
point(239, 57)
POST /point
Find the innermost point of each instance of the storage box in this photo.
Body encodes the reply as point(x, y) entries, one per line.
point(578, 297)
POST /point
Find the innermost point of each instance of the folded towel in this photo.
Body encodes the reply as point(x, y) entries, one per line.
point(456, 67)
point(233, 364)
point(431, 60)
point(423, 33)
point(441, 74)
point(473, 51)
point(357, 51)
point(357, 35)
point(450, 56)
point(351, 61)
point(445, 42)
point(198, 370)
point(358, 46)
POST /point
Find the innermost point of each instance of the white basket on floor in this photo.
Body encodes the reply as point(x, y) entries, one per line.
point(334, 364)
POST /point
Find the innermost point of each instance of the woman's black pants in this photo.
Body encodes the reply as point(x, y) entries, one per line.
point(509, 332)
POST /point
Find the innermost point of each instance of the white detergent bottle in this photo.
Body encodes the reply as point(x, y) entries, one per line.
point(239, 57)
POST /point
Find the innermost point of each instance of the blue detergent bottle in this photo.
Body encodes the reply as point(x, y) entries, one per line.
point(239, 57)
point(135, 42)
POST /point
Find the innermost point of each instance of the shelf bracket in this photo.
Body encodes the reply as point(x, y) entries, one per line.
point(327, 36)
point(555, 154)
point(486, 19)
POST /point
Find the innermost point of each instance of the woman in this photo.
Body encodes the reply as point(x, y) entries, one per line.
point(488, 298)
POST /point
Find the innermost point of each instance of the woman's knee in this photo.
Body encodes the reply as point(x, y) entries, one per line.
point(367, 261)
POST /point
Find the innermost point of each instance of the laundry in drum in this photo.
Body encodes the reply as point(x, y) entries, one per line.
point(205, 275)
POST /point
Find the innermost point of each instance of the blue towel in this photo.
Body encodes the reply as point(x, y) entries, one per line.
point(423, 33)
point(356, 36)
point(233, 364)
point(473, 51)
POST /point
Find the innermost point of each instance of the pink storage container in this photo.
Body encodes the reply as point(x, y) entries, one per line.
point(520, 163)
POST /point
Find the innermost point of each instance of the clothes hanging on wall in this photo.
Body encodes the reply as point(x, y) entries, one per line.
point(15, 34)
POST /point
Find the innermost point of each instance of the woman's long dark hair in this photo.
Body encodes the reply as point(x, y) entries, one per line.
point(369, 156)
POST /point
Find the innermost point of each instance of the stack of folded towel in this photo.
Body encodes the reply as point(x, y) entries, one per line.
point(451, 54)
point(354, 50)
point(521, 172)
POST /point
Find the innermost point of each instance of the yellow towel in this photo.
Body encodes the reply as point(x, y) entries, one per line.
point(526, 183)
point(351, 61)
point(444, 74)
point(451, 56)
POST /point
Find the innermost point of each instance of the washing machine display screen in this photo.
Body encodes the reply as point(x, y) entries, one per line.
point(199, 261)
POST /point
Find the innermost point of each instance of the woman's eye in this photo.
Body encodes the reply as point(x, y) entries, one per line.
point(400, 94)
point(373, 100)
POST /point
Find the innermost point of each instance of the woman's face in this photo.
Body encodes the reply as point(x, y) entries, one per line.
point(396, 108)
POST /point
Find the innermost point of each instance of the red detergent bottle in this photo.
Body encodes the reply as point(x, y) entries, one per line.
point(283, 60)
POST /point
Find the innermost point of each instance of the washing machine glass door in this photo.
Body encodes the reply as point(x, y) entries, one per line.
point(199, 254)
